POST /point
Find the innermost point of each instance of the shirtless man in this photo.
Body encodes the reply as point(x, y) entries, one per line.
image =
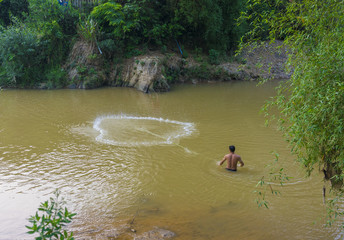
point(232, 160)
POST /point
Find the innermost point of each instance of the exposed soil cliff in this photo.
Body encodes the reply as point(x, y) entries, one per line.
point(154, 71)
point(145, 74)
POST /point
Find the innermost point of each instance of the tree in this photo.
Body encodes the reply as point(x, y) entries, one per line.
point(311, 103)
point(203, 24)
point(14, 8)
point(210, 24)
point(116, 18)
point(57, 25)
point(21, 57)
point(32, 49)
point(134, 22)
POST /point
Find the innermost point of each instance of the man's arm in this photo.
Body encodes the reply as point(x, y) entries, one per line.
point(241, 162)
point(222, 161)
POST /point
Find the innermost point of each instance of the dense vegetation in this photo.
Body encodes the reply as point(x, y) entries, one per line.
point(34, 41)
point(311, 103)
point(36, 36)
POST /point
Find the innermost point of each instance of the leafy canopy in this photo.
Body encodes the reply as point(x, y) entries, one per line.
point(20, 56)
point(206, 23)
point(12, 8)
point(311, 103)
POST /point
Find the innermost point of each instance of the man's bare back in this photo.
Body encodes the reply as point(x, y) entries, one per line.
point(232, 160)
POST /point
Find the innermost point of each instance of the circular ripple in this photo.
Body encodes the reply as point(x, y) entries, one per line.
point(124, 130)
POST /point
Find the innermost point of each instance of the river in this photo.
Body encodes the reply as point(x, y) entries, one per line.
point(119, 155)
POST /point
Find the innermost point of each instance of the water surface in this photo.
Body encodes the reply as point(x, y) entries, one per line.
point(116, 153)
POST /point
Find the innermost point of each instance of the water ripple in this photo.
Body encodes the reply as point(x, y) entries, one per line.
point(185, 129)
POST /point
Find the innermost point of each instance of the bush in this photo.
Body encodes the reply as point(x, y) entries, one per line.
point(93, 81)
point(109, 47)
point(52, 219)
point(31, 51)
point(214, 57)
point(12, 8)
point(21, 57)
point(171, 74)
point(47, 11)
point(56, 25)
point(202, 71)
point(87, 30)
point(57, 78)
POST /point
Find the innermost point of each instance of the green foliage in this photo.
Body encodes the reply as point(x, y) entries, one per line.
point(89, 77)
point(53, 36)
point(205, 71)
point(311, 102)
point(214, 57)
point(92, 81)
point(57, 78)
point(171, 74)
point(12, 8)
point(32, 50)
point(88, 29)
point(258, 16)
point(205, 24)
point(50, 219)
point(109, 47)
point(21, 57)
point(334, 209)
point(56, 25)
point(117, 19)
point(47, 11)
point(212, 24)
point(201, 71)
point(132, 52)
point(276, 177)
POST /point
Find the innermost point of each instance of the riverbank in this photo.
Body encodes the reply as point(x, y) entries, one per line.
point(155, 71)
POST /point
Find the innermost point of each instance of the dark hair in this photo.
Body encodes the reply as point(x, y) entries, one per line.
point(231, 148)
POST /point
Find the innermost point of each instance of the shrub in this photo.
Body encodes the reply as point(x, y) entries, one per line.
point(88, 29)
point(57, 78)
point(12, 8)
point(52, 219)
point(21, 56)
point(56, 25)
point(93, 81)
point(214, 57)
point(202, 71)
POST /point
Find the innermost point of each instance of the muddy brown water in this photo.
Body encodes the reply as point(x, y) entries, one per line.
point(117, 155)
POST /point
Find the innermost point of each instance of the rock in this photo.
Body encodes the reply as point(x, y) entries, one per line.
point(236, 72)
point(156, 234)
point(72, 86)
point(266, 61)
point(242, 75)
point(144, 74)
point(43, 86)
point(85, 67)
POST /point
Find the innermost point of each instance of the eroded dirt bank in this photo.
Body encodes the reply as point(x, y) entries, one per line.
point(156, 72)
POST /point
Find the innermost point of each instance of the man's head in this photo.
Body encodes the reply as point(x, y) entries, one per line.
point(231, 148)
